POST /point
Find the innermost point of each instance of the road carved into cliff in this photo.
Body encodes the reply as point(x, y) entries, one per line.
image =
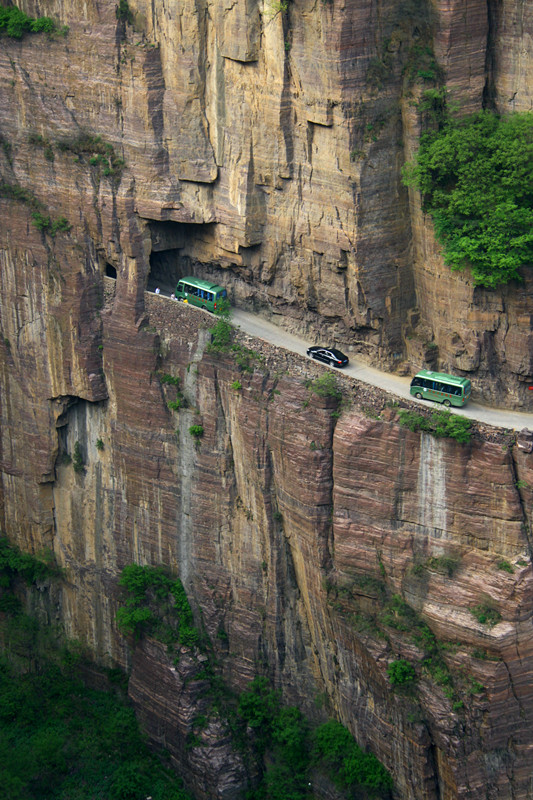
point(260, 328)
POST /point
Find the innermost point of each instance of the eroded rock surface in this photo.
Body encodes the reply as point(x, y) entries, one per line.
point(264, 149)
point(263, 143)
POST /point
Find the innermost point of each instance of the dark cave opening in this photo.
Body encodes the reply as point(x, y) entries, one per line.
point(180, 249)
point(172, 244)
point(110, 271)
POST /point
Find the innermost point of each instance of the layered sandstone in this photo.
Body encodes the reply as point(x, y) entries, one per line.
point(263, 149)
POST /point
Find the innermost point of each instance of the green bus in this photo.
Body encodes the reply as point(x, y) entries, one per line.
point(447, 389)
point(200, 293)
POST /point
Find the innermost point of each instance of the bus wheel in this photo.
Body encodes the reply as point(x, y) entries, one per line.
point(446, 403)
point(418, 396)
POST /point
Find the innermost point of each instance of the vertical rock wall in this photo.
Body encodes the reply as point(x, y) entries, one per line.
point(263, 148)
point(270, 138)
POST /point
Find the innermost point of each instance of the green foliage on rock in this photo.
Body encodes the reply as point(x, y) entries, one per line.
point(325, 386)
point(401, 672)
point(290, 749)
point(441, 424)
point(40, 219)
point(486, 614)
point(196, 431)
point(156, 605)
point(92, 149)
point(347, 764)
point(77, 458)
point(14, 563)
point(123, 12)
point(222, 340)
point(14, 23)
point(59, 739)
point(476, 181)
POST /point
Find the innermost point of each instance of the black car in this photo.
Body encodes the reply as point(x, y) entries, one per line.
point(329, 355)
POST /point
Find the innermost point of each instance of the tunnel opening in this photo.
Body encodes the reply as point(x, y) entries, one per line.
point(110, 271)
point(178, 249)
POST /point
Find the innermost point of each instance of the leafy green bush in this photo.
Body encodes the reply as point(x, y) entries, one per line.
point(221, 336)
point(155, 604)
point(346, 763)
point(401, 672)
point(123, 12)
point(504, 565)
point(444, 564)
point(440, 424)
point(173, 380)
point(41, 221)
point(15, 23)
point(475, 178)
point(486, 614)
point(77, 458)
point(59, 739)
point(196, 431)
point(100, 154)
point(325, 386)
point(15, 563)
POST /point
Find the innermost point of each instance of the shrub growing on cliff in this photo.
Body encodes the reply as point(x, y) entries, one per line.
point(15, 23)
point(77, 458)
point(346, 763)
point(196, 431)
point(476, 182)
point(60, 739)
point(440, 424)
point(155, 604)
point(123, 12)
point(401, 673)
point(486, 614)
point(15, 563)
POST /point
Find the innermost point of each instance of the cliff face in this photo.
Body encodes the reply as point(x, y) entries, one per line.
point(323, 549)
point(263, 148)
point(263, 145)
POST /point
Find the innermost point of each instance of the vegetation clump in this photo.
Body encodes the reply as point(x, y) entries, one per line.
point(196, 431)
point(440, 424)
point(347, 764)
point(123, 12)
point(325, 386)
point(77, 458)
point(401, 673)
point(99, 153)
point(180, 401)
point(222, 340)
point(290, 749)
point(155, 604)
point(475, 177)
point(14, 563)
point(486, 614)
point(42, 221)
point(14, 23)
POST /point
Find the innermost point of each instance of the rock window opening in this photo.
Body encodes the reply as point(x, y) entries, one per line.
point(110, 271)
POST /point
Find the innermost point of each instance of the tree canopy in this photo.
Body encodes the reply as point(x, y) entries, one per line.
point(476, 179)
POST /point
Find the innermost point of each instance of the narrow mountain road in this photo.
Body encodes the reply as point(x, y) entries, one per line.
point(260, 328)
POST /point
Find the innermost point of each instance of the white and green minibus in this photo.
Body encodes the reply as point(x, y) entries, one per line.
point(200, 293)
point(441, 387)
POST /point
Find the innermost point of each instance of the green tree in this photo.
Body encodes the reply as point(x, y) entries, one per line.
point(476, 181)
